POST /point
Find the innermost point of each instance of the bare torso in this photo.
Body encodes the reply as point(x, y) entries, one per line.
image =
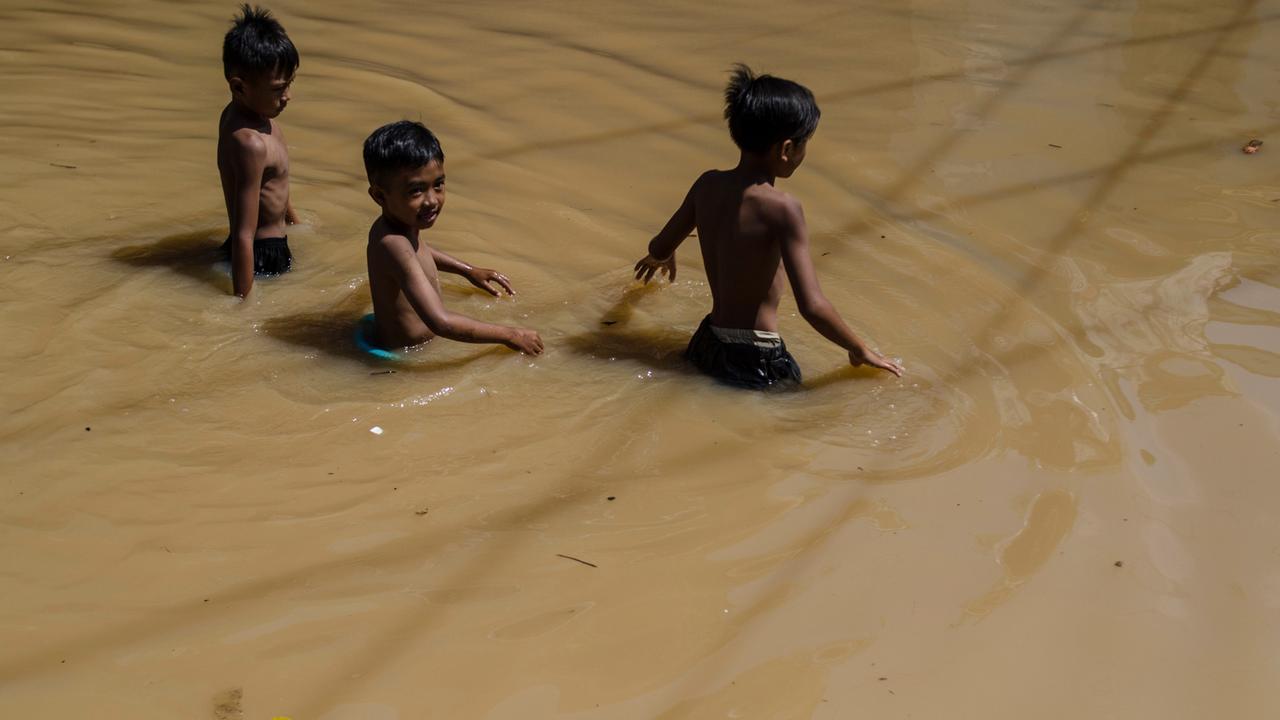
point(399, 325)
point(736, 221)
point(274, 195)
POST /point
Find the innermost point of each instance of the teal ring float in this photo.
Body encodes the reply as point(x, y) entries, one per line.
point(364, 340)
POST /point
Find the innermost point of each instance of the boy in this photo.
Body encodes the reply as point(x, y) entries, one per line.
point(259, 62)
point(749, 232)
point(405, 165)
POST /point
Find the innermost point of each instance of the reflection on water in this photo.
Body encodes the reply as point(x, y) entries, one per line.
point(1042, 210)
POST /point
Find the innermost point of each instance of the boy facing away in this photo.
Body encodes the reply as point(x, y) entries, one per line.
point(259, 62)
point(750, 233)
point(405, 165)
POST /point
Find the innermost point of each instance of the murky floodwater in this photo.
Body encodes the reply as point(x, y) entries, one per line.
point(1065, 510)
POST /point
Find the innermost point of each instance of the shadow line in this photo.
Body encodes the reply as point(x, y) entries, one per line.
point(194, 254)
point(1038, 58)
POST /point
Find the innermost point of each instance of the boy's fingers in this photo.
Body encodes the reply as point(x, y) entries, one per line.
point(891, 366)
point(505, 283)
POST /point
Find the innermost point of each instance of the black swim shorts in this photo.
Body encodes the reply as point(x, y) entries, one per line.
point(744, 358)
point(271, 256)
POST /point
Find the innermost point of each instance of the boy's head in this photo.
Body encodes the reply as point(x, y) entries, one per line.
point(405, 165)
point(769, 115)
point(259, 61)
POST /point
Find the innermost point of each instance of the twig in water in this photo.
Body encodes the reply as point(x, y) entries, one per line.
point(584, 562)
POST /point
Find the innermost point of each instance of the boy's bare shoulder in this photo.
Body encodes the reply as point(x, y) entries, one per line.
point(707, 180)
point(246, 141)
point(384, 238)
point(778, 207)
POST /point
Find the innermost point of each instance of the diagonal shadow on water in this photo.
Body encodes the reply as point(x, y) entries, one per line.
point(193, 254)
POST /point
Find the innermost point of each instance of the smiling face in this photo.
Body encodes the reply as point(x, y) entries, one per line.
point(266, 94)
point(413, 197)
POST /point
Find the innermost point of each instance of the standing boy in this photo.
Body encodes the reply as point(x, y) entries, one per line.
point(259, 62)
point(405, 165)
point(750, 232)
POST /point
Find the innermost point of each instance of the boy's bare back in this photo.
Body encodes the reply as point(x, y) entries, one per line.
point(740, 224)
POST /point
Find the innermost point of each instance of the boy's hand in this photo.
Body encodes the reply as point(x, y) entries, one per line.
point(524, 341)
point(290, 215)
point(649, 265)
point(875, 360)
point(484, 278)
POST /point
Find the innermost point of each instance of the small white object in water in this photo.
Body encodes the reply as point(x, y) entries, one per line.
point(375, 430)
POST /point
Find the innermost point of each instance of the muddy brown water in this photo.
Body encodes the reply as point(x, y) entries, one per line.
point(1065, 510)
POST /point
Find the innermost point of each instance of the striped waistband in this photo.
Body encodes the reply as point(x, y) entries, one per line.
point(741, 336)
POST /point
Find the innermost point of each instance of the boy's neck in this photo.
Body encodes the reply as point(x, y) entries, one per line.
point(246, 112)
point(755, 168)
point(409, 231)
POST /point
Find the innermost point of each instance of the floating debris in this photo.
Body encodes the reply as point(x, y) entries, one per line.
point(578, 560)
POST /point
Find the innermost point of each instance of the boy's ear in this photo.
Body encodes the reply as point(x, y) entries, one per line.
point(785, 150)
point(237, 85)
point(378, 195)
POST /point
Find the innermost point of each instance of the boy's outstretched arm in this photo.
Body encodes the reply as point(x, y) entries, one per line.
point(815, 308)
point(250, 162)
point(483, 278)
point(662, 248)
point(427, 303)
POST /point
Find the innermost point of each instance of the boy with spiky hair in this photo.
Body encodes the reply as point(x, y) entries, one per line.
point(405, 165)
point(753, 239)
point(259, 62)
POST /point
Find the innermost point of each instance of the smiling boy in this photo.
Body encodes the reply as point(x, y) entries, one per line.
point(405, 165)
point(259, 62)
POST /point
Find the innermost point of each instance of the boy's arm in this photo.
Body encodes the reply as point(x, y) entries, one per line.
point(814, 306)
point(662, 248)
point(478, 276)
point(424, 299)
point(250, 161)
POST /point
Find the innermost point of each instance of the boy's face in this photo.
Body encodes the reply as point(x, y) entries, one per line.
point(266, 94)
point(414, 196)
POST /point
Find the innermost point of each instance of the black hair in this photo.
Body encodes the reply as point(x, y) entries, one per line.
point(763, 110)
point(400, 145)
point(257, 45)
